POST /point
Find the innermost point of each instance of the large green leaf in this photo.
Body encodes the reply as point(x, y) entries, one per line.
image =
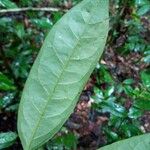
point(135, 143)
point(62, 68)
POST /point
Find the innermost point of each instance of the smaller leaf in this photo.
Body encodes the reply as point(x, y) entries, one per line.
point(143, 10)
point(5, 83)
point(4, 21)
point(120, 88)
point(105, 75)
point(20, 30)
point(109, 91)
point(110, 106)
point(12, 108)
point(57, 16)
point(8, 99)
point(147, 59)
point(7, 4)
point(67, 141)
point(26, 2)
point(142, 104)
point(44, 23)
point(128, 89)
point(130, 129)
point(7, 139)
point(134, 113)
point(141, 2)
point(145, 77)
point(135, 143)
point(114, 121)
point(112, 135)
point(1, 103)
point(128, 81)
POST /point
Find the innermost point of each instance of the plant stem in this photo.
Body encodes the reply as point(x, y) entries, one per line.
point(48, 9)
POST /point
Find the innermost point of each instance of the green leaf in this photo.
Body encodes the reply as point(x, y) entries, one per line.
point(141, 2)
point(5, 83)
point(7, 4)
point(128, 89)
point(111, 135)
point(12, 108)
point(147, 55)
point(20, 30)
point(110, 106)
point(44, 23)
point(142, 104)
point(147, 59)
point(65, 141)
point(145, 77)
point(8, 99)
point(1, 103)
point(128, 81)
point(7, 139)
point(4, 21)
point(134, 113)
point(143, 10)
point(109, 91)
point(130, 129)
point(57, 16)
point(105, 75)
point(135, 143)
point(62, 68)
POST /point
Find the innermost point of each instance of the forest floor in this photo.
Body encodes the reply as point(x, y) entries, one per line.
point(86, 122)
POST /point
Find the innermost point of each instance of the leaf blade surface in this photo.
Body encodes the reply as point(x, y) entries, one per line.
point(141, 142)
point(63, 66)
point(7, 139)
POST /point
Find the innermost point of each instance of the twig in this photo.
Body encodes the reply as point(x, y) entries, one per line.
point(48, 9)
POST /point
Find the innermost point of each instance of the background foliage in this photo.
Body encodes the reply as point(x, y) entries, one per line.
point(115, 103)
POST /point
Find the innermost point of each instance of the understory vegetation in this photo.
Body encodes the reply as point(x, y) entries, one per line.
point(115, 103)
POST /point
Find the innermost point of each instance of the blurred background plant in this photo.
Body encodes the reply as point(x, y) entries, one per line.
point(115, 103)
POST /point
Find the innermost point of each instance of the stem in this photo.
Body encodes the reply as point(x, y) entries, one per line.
point(48, 9)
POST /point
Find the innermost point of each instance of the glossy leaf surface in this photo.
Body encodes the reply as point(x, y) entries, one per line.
point(62, 68)
point(7, 4)
point(5, 83)
point(145, 77)
point(135, 143)
point(7, 139)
